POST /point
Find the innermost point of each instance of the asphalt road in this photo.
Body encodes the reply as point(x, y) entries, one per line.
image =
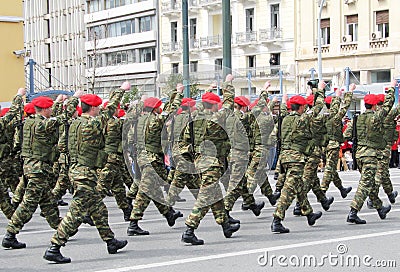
point(330, 245)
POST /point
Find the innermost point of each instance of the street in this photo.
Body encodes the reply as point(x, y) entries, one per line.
point(330, 245)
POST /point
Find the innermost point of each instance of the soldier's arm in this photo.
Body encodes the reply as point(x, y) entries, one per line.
point(348, 133)
point(380, 114)
point(345, 106)
point(15, 109)
point(57, 108)
point(112, 105)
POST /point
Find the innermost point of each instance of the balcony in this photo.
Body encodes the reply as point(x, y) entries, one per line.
point(171, 48)
point(171, 8)
point(211, 43)
point(378, 44)
point(211, 4)
point(324, 49)
point(246, 38)
point(266, 72)
point(348, 47)
point(270, 35)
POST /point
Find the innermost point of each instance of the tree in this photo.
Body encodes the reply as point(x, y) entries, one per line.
point(175, 78)
point(130, 96)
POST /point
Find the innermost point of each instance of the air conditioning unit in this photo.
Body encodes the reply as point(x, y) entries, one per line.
point(349, 1)
point(347, 38)
point(376, 35)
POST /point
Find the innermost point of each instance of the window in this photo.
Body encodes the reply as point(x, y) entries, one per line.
point(249, 20)
point(245, 91)
point(218, 64)
point(352, 26)
point(175, 68)
point(274, 61)
point(380, 76)
point(325, 31)
point(355, 77)
point(174, 32)
point(144, 24)
point(251, 65)
point(147, 54)
point(193, 66)
point(382, 23)
point(275, 16)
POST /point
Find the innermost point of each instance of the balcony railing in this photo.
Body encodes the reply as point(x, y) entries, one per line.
point(171, 47)
point(171, 6)
point(260, 72)
point(211, 41)
point(246, 37)
point(270, 34)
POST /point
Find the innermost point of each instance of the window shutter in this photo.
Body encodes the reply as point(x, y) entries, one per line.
point(382, 17)
point(325, 23)
point(352, 19)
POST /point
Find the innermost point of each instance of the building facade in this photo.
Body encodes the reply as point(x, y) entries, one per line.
point(262, 43)
point(122, 45)
point(11, 49)
point(55, 36)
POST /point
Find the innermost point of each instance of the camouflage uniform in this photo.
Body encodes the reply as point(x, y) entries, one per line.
point(334, 127)
point(296, 146)
point(369, 131)
point(39, 150)
point(281, 176)
point(85, 143)
point(5, 150)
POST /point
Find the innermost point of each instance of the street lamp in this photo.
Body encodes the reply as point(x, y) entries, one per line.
point(320, 5)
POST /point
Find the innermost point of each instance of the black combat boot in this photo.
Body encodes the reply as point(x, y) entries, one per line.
point(229, 229)
point(312, 217)
point(344, 191)
point(353, 217)
point(392, 197)
point(257, 207)
point(134, 229)
point(172, 215)
point(297, 209)
point(189, 237)
point(326, 202)
point(277, 227)
point(61, 202)
point(10, 241)
point(113, 245)
point(127, 213)
point(231, 219)
point(370, 205)
point(53, 254)
point(273, 198)
point(88, 220)
point(383, 211)
point(276, 175)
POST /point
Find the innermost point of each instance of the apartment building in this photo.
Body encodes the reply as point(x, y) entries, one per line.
point(55, 36)
point(121, 45)
point(363, 35)
point(262, 43)
point(11, 50)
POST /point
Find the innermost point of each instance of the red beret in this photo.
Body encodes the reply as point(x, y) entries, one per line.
point(211, 98)
point(288, 105)
point(79, 110)
point(381, 98)
point(188, 102)
point(29, 108)
point(179, 111)
point(328, 99)
point(91, 100)
point(310, 100)
point(299, 100)
point(152, 102)
point(370, 99)
point(242, 101)
point(106, 103)
point(4, 111)
point(43, 102)
point(121, 113)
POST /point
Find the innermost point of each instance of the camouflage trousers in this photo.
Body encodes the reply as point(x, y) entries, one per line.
point(5, 204)
point(13, 170)
point(179, 181)
point(281, 177)
point(110, 178)
point(133, 189)
point(153, 176)
point(257, 173)
point(86, 200)
point(293, 188)
point(310, 177)
point(37, 192)
point(63, 183)
point(210, 196)
point(382, 173)
point(20, 190)
point(367, 187)
point(330, 173)
point(238, 181)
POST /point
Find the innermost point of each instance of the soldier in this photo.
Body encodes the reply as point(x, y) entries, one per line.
point(5, 150)
point(369, 129)
point(111, 176)
point(334, 126)
point(39, 150)
point(151, 161)
point(296, 146)
point(85, 143)
point(205, 141)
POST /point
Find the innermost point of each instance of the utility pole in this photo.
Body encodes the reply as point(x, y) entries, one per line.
point(226, 36)
point(321, 5)
point(94, 62)
point(185, 56)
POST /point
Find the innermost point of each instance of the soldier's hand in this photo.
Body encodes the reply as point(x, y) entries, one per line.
point(284, 98)
point(352, 87)
point(125, 86)
point(21, 91)
point(59, 98)
point(65, 97)
point(275, 99)
point(79, 93)
point(180, 87)
point(229, 78)
point(267, 85)
point(393, 83)
point(321, 85)
point(339, 92)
